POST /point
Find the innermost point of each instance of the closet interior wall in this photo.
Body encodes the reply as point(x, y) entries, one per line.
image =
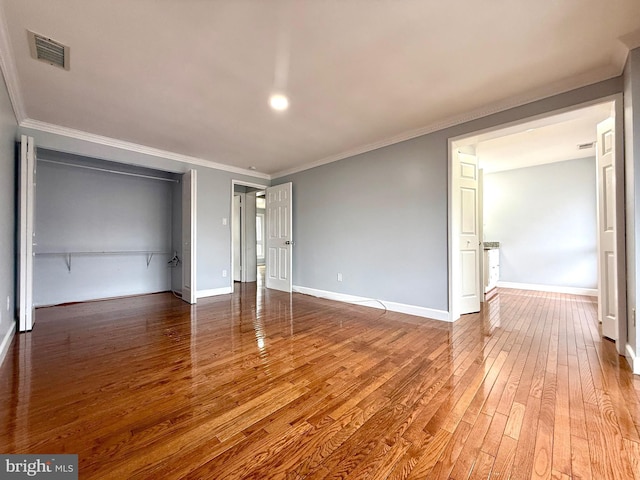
point(103, 229)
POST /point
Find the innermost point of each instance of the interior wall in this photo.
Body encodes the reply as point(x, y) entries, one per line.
point(381, 218)
point(544, 217)
point(8, 128)
point(81, 210)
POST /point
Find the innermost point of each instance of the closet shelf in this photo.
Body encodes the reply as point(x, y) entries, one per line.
point(67, 255)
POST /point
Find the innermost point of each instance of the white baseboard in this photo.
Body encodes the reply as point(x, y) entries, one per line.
point(634, 361)
point(381, 304)
point(214, 291)
point(591, 292)
point(6, 341)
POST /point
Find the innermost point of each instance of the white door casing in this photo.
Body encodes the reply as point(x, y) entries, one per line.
point(249, 241)
point(189, 185)
point(236, 236)
point(607, 251)
point(279, 240)
point(466, 252)
point(26, 235)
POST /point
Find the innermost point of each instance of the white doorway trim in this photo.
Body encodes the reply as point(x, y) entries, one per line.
point(240, 183)
point(26, 233)
point(468, 138)
point(189, 236)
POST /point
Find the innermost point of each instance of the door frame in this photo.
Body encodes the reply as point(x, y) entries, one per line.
point(26, 232)
point(237, 224)
point(240, 183)
point(461, 140)
point(189, 236)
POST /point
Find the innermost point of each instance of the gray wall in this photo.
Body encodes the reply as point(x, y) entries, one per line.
point(80, 210)
point(380, 218)
point(545, 220)
point(632, 179)
point(8, 128)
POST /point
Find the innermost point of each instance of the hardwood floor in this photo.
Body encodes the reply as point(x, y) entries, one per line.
point(260, 384)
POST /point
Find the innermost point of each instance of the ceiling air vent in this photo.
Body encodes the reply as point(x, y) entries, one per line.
point(586, 146)
point(47, 50)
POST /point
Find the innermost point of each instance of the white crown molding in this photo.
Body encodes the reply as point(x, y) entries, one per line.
point(134, 147)
point(425, 312)
point(8, 67)
point(566, 85)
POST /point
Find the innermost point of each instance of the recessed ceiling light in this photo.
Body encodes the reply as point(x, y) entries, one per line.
point(530, 129)
point(252, 167)
point(279, 102)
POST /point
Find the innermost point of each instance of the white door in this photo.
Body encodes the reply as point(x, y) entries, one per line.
point(189, 183)
point(279, 237)
point(26, 208)
point(465, 231)
point(607, 261)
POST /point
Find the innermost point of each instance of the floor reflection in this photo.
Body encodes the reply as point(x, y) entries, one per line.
point(267, 384)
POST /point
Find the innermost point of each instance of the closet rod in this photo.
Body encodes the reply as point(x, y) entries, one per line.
point(109, 171)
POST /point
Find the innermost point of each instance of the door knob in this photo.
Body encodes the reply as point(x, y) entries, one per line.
point(288, 242)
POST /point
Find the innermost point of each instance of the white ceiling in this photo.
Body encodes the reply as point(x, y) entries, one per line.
point(193, 77)
point(545, 140)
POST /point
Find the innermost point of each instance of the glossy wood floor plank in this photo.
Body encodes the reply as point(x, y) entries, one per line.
point(261, 384)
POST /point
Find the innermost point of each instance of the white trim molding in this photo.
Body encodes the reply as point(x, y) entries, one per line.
point(591, 292)
point(633, 360)
point(134, 147)
point(212, 292)
point(546, 91)
point(375, 303)
point(6, 341)
point(8, 67)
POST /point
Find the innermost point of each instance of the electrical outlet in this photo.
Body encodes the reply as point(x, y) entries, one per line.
point(224, 273)
point(8, 302)
point(224, 221)
point(339, 277)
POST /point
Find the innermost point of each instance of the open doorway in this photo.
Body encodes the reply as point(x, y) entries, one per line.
point(248, 233)
point(277, 234)
point(537, 198)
